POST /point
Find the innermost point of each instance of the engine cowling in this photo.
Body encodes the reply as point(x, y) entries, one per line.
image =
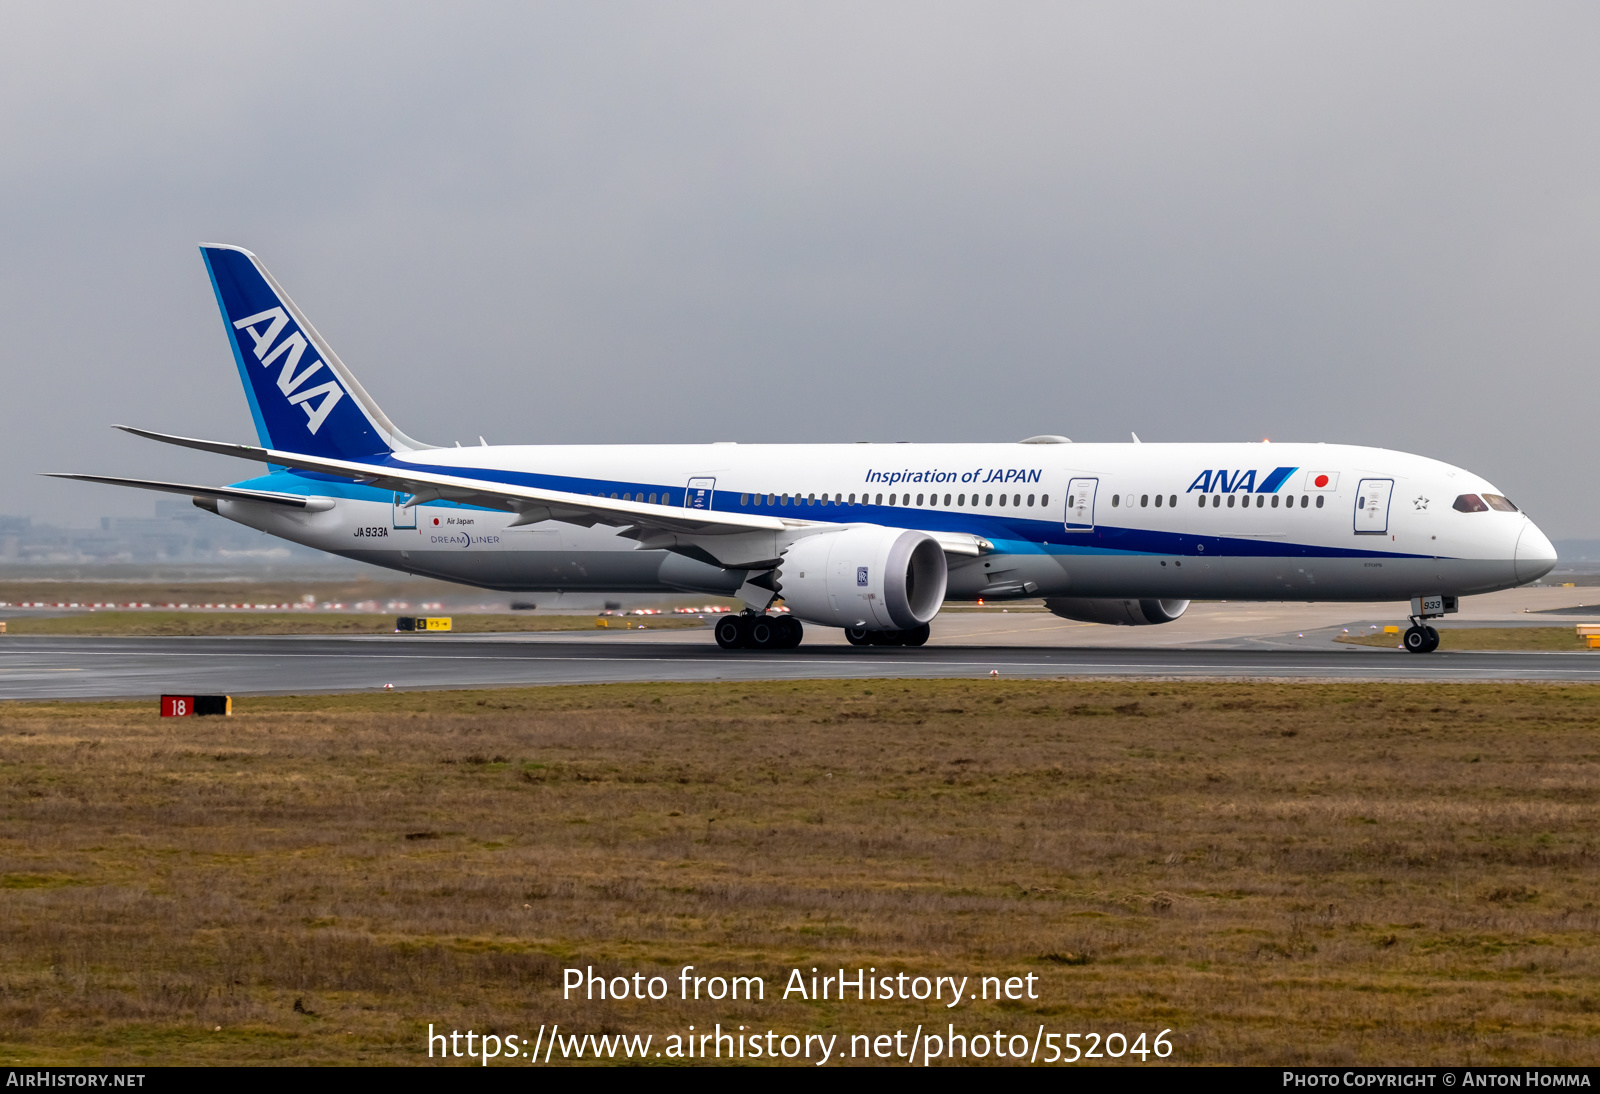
point(868, 576)
point(1118, 613)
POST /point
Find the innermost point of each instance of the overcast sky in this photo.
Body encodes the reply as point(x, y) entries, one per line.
point(1367, 223)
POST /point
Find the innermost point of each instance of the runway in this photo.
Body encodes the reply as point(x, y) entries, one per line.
point(85, 668)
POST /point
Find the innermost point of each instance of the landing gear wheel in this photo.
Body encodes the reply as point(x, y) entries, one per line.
point(1420, 638)
point(791, 631)
point(888, 638)
point(765, 633)
point(730, 632)
point(858, 636)
point(916, 636)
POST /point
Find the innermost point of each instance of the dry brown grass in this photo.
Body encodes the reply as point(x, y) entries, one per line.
point(1279, 873)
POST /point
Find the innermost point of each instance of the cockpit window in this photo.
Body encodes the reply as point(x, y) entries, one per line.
point(1470, 503)
point(1500, 503)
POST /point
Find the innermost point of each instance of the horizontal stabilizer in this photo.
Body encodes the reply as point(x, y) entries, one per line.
point(293, 501)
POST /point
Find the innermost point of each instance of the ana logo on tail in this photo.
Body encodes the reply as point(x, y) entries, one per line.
point(291, 349)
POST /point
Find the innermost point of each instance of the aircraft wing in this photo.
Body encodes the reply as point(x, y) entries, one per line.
point(292, 501)
point(532, 504)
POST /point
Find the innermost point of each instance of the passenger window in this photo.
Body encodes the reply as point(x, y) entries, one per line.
point(1500, 503)
point(1230, 501)
point(1115, 500)
point(1216, 501)
point(961, 499)
point(989, 499)
point(1172, 501)
point(1260, 500)
point(1158, 501)
point(1002, 499)
point(1274, 501)
point(1144, 500)
point(1305, 500)
point(1030, 501)
point(1045, 501)
point(892, 497)
point(613, 497)
point(627, 497)
point(919, 499)
point(744, 499)
point(783, 499)
point(879, 501)
point(947, 499)
point(1016, 499)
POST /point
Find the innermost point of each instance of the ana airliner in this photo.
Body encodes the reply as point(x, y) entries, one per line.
point(871, 538)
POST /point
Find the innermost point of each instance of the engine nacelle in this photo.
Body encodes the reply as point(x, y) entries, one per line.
point(869, 576)
point(1118, 613)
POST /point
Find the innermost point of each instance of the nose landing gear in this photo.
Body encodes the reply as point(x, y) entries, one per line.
point(1420, 639)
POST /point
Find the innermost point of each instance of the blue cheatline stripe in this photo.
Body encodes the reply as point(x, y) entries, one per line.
point(1021, 535)
point(1272, 482)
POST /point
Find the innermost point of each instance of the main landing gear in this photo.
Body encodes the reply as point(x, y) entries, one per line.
point(759, 632)
point(1420, 638)
point(861, 636)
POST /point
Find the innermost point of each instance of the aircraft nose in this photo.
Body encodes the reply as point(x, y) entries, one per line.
point(1536, 556)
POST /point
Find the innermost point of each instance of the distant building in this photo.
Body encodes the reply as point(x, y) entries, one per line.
point(178, 532)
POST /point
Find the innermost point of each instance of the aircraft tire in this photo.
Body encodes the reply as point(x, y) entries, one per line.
point(731, 632)
point(916, 636)
point(1415, 640)
point(858, 636)
point(765, 633)
point(888, 638)
point(1433, 638)
point(791, 631)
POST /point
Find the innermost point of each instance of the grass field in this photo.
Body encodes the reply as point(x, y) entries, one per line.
point(1485, 638)
point(150, 622)
point(1330, 874)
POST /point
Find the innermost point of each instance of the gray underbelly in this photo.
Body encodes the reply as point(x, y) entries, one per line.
point(557, 571)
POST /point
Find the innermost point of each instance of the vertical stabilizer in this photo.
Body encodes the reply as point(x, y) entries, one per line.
point(302, 397)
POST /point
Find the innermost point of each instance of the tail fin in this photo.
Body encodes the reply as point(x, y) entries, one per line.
point(302, 397)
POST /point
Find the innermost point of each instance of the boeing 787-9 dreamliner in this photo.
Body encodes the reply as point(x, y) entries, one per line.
point(871, 538)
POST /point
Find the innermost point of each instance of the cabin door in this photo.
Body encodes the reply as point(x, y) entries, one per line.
point(1080, 504)
point(699, 493)
point(1372, 506)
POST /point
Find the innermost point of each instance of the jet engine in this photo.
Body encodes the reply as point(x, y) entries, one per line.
point(868, 576)
point(1118, 613)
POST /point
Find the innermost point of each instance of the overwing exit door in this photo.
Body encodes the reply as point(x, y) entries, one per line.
point(1080, 504)
point(699, 493)
point(1372, 506)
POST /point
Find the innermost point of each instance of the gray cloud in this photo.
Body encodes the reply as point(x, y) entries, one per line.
point(1367, 223)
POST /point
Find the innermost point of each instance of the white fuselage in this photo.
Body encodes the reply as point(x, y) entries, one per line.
point(1180, 521)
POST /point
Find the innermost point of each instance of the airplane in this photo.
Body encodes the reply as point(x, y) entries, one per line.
point(872, 538)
